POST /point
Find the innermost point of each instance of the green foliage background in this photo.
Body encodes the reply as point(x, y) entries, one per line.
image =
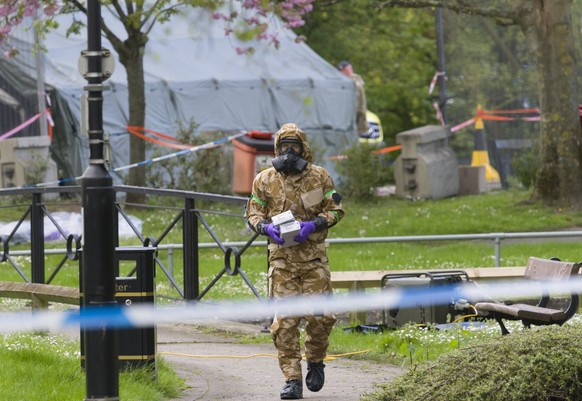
point(394, 50)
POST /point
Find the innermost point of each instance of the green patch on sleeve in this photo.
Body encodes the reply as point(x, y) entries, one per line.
point(328, 194)
point(259, 201)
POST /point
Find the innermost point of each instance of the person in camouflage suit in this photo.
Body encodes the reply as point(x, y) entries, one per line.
point(294, 183)
point(361, 106)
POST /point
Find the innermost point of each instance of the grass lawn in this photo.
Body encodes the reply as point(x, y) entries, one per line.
point(502, 211)
point(47, 367)
point(499, 211)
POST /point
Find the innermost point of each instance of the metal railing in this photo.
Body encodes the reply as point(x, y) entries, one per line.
point(496, 238)
point(190, 217)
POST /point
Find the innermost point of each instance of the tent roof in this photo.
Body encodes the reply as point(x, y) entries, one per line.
point(194, 48)
point(193, 73)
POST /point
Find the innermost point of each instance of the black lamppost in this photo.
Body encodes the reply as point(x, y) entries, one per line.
point(98, 200)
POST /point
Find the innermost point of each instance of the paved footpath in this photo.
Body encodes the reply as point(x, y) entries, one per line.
point(226, 377)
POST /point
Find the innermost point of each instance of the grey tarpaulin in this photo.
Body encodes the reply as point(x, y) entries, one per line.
point(192, 71)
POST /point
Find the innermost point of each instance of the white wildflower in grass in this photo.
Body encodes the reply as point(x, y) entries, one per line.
point(451, 265)
point(492, 211)
point(415, 343)
point(462, 210)
point(422, 212)
point(22, 259)
point(14, 304)
point(41, 344)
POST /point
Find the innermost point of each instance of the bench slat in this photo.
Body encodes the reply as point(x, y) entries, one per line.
point(43, 292)
point(373, 278)
point(537, 268)
point(523, 311)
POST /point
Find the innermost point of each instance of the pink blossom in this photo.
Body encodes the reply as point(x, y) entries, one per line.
point(217, 15)
point(250, 4)
point(3, 11)
point(244, 50)
point(10, 52)
point(51, 10)
point(29, 11)
point(254, 13)
point(252, 21)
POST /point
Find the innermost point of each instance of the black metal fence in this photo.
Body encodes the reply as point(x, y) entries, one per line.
point(36, 208)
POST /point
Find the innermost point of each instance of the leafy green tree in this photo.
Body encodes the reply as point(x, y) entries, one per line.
point(547, 27)
point(487, 64)
point(394, 51)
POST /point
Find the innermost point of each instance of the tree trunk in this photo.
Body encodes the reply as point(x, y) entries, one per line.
point(547, 25)
point(131, 55)
point(548, 29)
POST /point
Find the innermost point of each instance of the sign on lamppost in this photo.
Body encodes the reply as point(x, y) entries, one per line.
point(98, 202)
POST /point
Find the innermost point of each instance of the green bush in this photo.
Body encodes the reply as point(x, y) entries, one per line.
point(526, 167)
point(362, 171)
point(208, 170)
point(531, 365)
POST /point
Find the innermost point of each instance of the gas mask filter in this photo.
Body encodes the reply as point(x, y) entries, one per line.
point(289, 161)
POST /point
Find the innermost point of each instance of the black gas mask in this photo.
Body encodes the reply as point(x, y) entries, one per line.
point(289, 160)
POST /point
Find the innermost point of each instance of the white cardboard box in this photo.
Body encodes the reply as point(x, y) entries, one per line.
point(282, 218)
point(289, 231)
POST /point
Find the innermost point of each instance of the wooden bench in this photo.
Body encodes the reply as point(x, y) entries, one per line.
point(540, 314)
point(39, 294)
point(362, 280)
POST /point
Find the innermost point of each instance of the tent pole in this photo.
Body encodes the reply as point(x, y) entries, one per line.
point(40, 87)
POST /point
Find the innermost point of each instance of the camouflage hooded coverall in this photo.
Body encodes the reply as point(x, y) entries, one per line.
point(302, 268)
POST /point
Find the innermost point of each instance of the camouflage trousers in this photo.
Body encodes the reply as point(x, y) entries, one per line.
point(287, 280)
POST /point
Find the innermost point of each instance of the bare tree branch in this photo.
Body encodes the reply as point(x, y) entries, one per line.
point(129, 7)
point(505, 9)
point(78, 6)
point(150, 12)
point(488, 25)
point(119, 10)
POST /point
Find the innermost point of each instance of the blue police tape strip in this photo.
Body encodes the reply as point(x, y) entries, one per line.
point(99, 317)
point(208, 145)
point(142, 315)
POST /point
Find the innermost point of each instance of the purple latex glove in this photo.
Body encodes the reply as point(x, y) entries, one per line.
point(307, 227)
point(273, 231)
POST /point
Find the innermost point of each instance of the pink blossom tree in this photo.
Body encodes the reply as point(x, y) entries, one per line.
point(12, 13)
point(138, 18)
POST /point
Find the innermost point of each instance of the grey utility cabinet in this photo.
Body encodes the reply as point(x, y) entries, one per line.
point(426, 168)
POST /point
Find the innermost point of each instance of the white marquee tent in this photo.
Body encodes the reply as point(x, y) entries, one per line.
point(192, 71)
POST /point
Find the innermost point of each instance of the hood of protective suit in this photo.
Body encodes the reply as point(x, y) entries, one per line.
point(292, 131)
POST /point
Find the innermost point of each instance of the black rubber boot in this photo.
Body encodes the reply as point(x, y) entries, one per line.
point(292, 390)
point(315, 376)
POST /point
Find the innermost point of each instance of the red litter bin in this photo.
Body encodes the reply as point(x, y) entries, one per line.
point(252, 154)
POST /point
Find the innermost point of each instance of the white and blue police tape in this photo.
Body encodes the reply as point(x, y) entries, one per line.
point(208, 145)
point(142, 315)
